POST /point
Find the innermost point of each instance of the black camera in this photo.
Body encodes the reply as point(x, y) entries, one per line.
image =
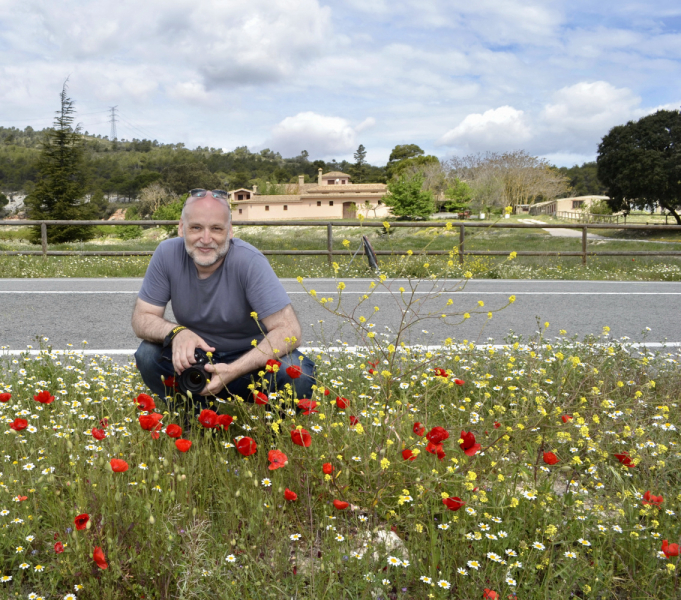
point(194, 378)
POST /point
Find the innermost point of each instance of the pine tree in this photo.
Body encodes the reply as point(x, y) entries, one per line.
point(358, 170)
point(61, 183)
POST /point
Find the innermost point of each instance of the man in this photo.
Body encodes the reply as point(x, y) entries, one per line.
point(224, 295)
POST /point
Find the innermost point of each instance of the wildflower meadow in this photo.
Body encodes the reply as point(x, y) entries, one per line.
point(538, 468)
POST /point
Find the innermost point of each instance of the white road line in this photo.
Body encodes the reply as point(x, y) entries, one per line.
point(130, 352)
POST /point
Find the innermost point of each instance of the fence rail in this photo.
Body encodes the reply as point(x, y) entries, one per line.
point(330, 252)
point(587, 217)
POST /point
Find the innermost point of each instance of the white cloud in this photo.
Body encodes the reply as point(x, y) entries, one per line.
point(320, 135)
point(581, 114)
point(503, 128)
point(368, 123)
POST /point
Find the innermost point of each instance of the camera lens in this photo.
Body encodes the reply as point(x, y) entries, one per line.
point(192, 380)
point(196, 378)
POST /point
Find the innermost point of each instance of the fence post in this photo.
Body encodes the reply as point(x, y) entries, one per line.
point(329, 242)
point(462, 237)
point(584, 244)
point(43, 238)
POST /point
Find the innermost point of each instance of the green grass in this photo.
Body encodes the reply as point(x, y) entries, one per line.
point(213, 523)
point(314, 238)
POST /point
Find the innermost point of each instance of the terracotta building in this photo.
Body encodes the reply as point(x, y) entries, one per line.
point(332, 197)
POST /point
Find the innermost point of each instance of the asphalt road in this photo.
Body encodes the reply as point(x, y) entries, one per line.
point(98, 310)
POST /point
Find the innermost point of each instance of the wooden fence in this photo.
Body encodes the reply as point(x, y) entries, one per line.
point(330, 252)
point(583, 217)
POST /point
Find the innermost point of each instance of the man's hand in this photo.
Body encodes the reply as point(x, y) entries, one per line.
point(220, 375)
point(184, 344)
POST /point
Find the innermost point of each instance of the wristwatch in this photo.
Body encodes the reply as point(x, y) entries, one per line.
point(173, 332)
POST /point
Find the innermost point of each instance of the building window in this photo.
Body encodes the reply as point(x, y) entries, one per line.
point(241, 197)
point(331, 182)
point(330, 202)
point(319, 202)
point(577, 203)
point(343, 181)
point(285, 206)
point(240, 211)
point(267, 207)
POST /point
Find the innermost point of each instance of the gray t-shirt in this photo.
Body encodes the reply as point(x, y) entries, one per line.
point(219, 307)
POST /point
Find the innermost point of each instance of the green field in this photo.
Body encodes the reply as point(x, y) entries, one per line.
point(400, 239)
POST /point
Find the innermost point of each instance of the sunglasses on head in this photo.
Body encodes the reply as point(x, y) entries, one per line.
point(200, 193)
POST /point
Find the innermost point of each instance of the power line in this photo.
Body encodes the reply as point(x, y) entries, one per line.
point(114, 134)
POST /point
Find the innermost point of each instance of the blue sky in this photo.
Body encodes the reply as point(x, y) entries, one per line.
point(455, 77)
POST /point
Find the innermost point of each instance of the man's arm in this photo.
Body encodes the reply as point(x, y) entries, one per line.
point(148, 324)
point(283, 336)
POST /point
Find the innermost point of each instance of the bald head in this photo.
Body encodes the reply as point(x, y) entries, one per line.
point(206, 204)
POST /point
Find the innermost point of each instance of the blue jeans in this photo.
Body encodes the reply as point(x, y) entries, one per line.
point(155, 364)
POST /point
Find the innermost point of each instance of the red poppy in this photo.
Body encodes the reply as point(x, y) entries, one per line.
point(272, 365)
point(81, 521)
point(58, 547)
point(566, 418)
point(651, 500)
point(277, 458)
point(183, 445)
point(118, 465)
point(174, 431)
point(342, 403)
point(104, 423)
point(208, 418)
point(436, 449)
point(5, 397)
point(18, 424)
point(340, 505)
point(301, 437)
point(371, 371)
point(21, 498)
point(418, 429)
point(490, 595)
point(437, 435)
point(150, 421)
point(155, 435)
point(459, 381)
point(408, 454)
point(246, 446)
point(170, 382)
point(145, 402)
point(260, 398)
point(670, 549)
point(453, 503)
point(290, 496)
point(440, 372)
point(625, 459)
point(44, 397)
point(550, 458)
point(98, 434)
point(224, 421)
point(497, 425)
point(327, 468)
point(99, 558)
point(353, 420)
point(327, 391)
point(469, 447)
point(308, 406)
point(294, 371)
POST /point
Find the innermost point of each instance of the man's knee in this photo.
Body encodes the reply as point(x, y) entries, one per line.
point(305, 380)
point(148, 356)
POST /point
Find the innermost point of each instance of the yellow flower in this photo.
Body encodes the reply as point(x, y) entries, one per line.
point(341, 286)
point(385, 463)
point(371, 334)
point(466, 316)
point(468, 274)
point(512, 255)
point(511, 299)
point(346, 243)
point(300, 279)
point(386, 224)
point(254, 315)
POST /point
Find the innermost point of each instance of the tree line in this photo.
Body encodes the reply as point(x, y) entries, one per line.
point(70, 174)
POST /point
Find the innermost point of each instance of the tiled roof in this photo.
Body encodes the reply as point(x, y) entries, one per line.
point(334, 174)
point(274, 199)
point(350, 188)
